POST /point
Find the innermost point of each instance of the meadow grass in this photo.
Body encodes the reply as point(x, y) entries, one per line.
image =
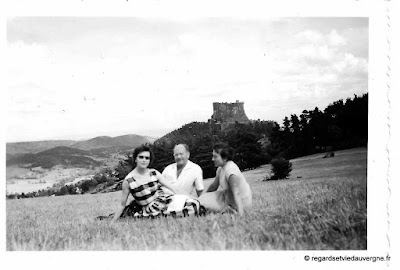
point(323, 205)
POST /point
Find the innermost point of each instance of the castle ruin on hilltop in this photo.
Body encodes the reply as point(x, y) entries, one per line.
point(227, 114)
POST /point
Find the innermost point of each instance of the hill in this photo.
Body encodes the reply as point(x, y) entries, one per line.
point(61, 155)
point(200, 136)
point(72, 153)
point(34, 147)
point(116, 144)
point(109, 151)
point(131, 141)
point(63, 150)
point(186, 133)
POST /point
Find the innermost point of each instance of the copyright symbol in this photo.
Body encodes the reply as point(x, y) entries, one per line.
point(306, 257)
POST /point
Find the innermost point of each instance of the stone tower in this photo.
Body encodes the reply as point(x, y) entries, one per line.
point(226, 114)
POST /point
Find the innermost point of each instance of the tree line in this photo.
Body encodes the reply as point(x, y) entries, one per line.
point(103, 179)
point(341, 125)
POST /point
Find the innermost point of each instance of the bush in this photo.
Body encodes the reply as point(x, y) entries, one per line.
point(64, 190)
point(85, 186)
point(101, 179)
point(330, 154)
point(281, 168)
point(110, 182)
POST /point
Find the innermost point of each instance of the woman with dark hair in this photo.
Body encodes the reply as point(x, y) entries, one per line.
point(230, 189)
point(150, 199)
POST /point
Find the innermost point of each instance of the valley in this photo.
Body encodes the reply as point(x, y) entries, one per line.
point(29, 169)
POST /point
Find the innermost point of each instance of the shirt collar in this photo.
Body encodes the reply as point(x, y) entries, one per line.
point(189, 165)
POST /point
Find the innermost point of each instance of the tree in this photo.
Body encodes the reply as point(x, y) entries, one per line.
point(85, 186)
point(110, 182)
point(102, 179)
point(248, 150)
point(294, 124)
point(71, 189)
point(124, 167)
point(64, 190)
point(281, 168)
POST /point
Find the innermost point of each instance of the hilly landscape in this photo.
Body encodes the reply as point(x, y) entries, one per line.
point(341, 125)
point(17, 148)
point(60, 155)
point(102, 142)
point(47, 162)
point(131, 140)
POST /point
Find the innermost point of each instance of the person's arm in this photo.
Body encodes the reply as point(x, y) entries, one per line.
point(198, 182)
point(166, 184)
point(233, 183)
point(124, 198)
point(214, 186)
point(199, 192)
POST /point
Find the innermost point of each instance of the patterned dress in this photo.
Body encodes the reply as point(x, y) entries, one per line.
point(151, 200)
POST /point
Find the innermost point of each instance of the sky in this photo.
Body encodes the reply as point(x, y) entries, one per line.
point(81, 77)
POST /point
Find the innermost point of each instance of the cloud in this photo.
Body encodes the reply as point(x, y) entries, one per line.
point(148, 74)
point(319, 61)
point(314, 47)
point(334, 39)
point(309, 36)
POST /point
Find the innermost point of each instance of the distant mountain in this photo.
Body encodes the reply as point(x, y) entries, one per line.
point(131, 141)
point(108, 151)
point(69, 152)
point(122, 143)
point(63, 150)
point(61, 155)
point(151, 139)
point(34, 147)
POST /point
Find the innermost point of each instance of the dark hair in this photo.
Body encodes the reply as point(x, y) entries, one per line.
point(224, 150)
point(140, 149)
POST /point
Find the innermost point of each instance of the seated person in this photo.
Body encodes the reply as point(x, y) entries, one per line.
point(184, 174)
point(230, 189)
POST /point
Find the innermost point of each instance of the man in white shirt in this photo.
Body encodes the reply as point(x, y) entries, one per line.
point(184, 174)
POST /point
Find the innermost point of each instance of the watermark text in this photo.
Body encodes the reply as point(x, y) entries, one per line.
point(346, 258)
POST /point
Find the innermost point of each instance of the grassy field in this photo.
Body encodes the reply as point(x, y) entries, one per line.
point(322, 206)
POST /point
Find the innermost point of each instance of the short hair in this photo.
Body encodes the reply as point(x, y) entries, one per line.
point(184, 145)
point(140, 149)
point(224, 150)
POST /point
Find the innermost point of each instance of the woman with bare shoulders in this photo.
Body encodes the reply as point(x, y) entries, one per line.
point(230, 190)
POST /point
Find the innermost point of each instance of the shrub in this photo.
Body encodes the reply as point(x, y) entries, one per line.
point(281, 168)
point(330, 154)
point(101, 179)
point(85, 186)
point(64, 190)
point(110, 182)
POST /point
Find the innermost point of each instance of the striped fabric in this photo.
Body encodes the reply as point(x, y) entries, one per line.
point(144, 194)
point(151, 201)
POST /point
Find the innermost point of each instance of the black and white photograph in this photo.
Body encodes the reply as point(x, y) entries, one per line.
point(197, 133)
